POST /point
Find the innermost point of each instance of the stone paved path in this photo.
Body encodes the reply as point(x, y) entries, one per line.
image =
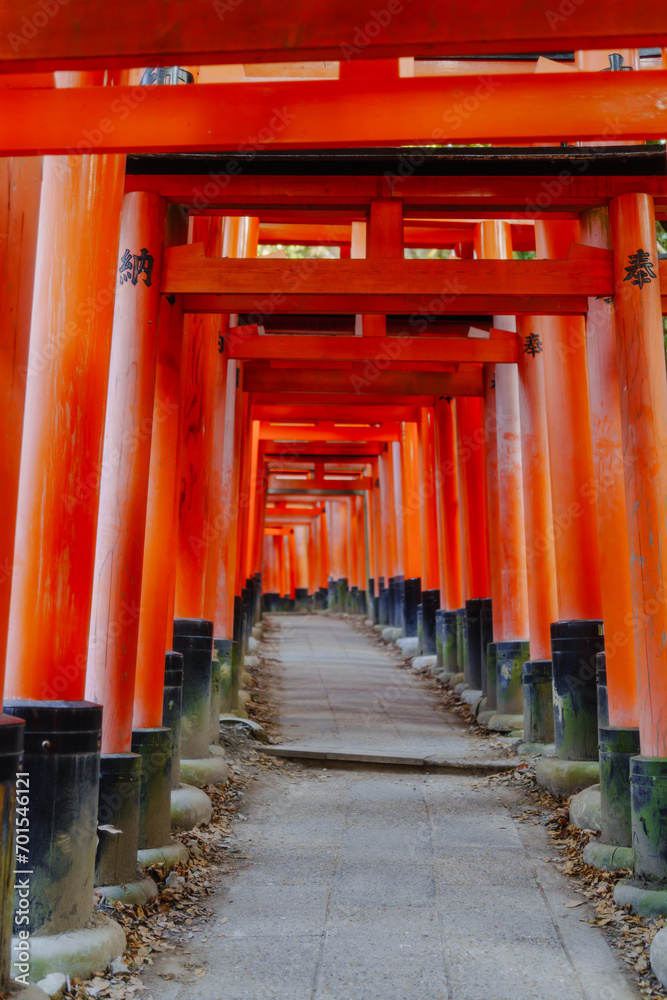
point(337, 689)
point(386, 885)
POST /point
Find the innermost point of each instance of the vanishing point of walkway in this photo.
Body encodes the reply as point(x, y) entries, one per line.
point(385, 884)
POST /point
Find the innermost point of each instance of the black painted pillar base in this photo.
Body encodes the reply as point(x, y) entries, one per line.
point(474, 644)
point(154, 747)
point(399, 602)
point(119, 809)
point(172, 708)
point(372, 601)
point(383, 600)
point(618, 745)
point(62, 762)
point(257, 610)
point(603, 699)
point(574, 647)
point(193, 637)
point(223, 649)
point(485, 633)
point(538, 702)
point(413, 596)
point(342, 594)
point(302, 601)
point(430, 604)
point(461, 640)
point(391, 601)
point(648, 783)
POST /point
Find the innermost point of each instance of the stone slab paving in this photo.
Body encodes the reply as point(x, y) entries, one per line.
point(339, 690)
point(387, 885)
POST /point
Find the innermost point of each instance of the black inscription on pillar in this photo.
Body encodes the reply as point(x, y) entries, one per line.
point(492, 383)
point(134, 265)
point(221, 342)
point(640, 270)
point(532, 344)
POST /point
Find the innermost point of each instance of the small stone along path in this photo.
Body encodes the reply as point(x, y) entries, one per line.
point(384, 884)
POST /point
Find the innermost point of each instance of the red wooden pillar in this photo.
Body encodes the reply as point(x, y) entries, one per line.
point(158, 581)
point(493, 240)
point(247, 247)
point(540, 560)
point(282, 565)
point(196, 450)
point(641, 369)
point(301, 556)
point(451, 593)
point(495, 561)
point(472, 492)
point(388, 539)
point(75, 280)
point(614, 548)
point(430, 567)
point(324, 549)
point(570, 446)
point(20, 187)
point(399, 507)
point(411, 525)
point(291, 549)
point(114, 621)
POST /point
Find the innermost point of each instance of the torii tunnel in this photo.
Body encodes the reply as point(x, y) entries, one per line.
point(322, 308)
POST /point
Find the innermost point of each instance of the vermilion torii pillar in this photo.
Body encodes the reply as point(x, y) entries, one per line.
point(196, 450)
point(472, 492)
point(20, 187)
point(114, 623)
point(492, 501)
point(570, 447)
point(641, 369)
point(540, 560)
point(451, 595)
point(156, 620)
point(240, 240)
point(575, 638)
point(493, 240)
point(610, 472)
point(61, 462)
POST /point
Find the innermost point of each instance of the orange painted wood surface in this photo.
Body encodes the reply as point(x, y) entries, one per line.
point(494, 240)
point(386, 383)
point(570, 446)
point(404, 349)
point(192, 272)
point(158, 581)
point(640, 354)
point(421, 305)
point(119, 553)
point(70, 341)
point(20, 188)
point(89, 33)
point(410, 485)
point(428, 514)
point(472, 492)
point(540, 559)
point(327, 430)
point(327, 113)
point(451, 590)
point(492, 499)
point(612, 519)
point(425, 198)
point(196, 450)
